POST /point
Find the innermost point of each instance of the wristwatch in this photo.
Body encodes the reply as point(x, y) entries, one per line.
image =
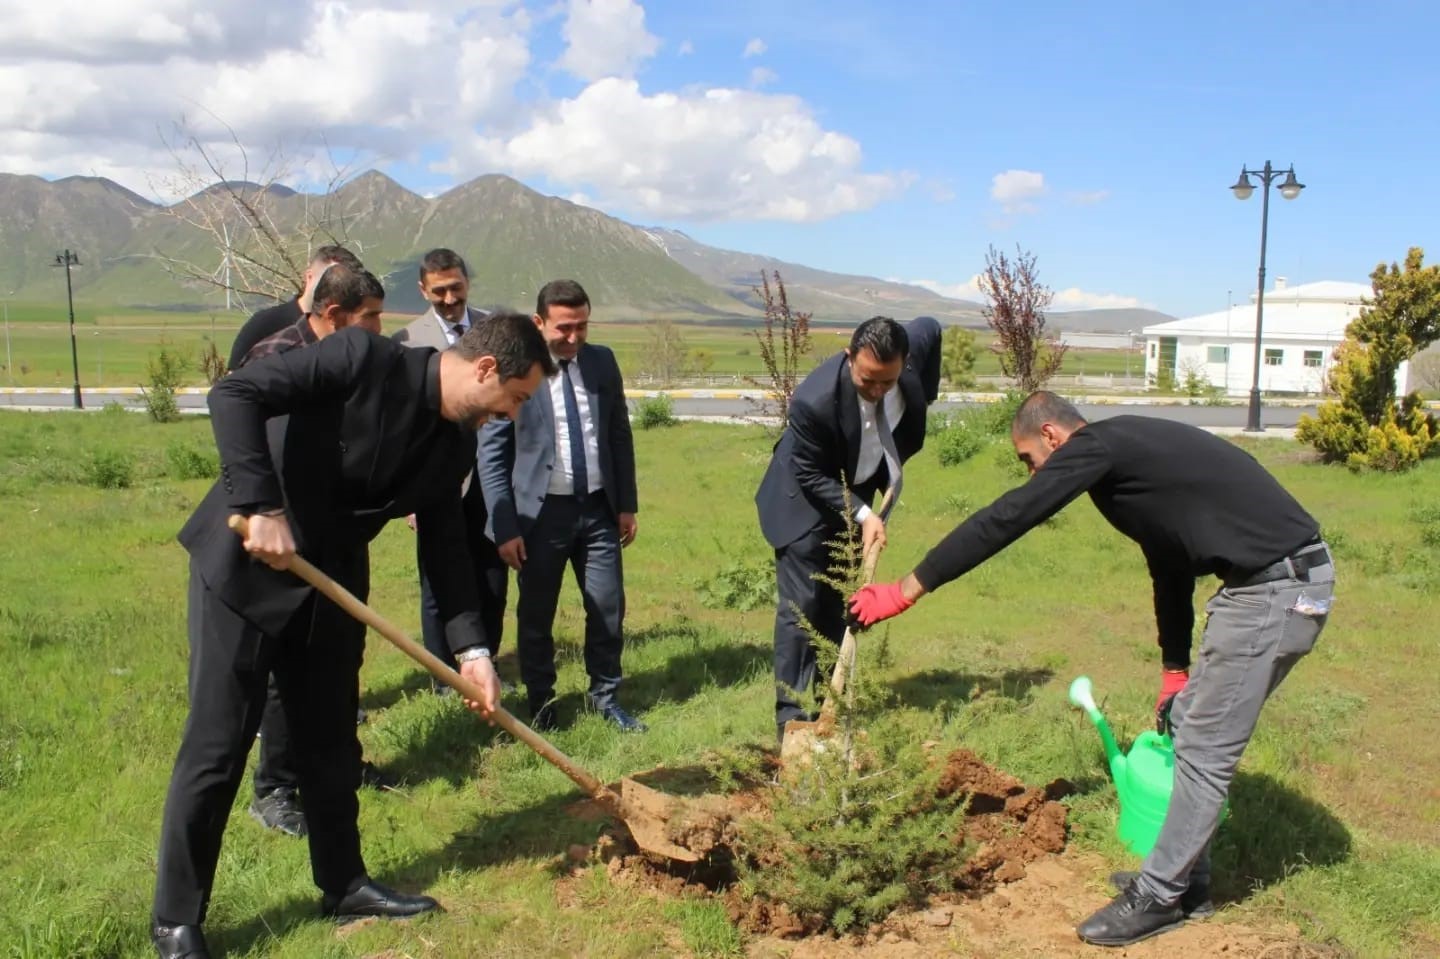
point(471, 654)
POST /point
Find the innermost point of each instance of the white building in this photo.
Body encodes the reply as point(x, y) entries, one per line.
point(1300, 330)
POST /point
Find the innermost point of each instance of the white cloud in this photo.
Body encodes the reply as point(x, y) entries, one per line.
point(1088, 197)
point(966, 290)
point(606, 38)
point(1074, 298)
point(710, 154)
point(1014, 189)
point(1071, 298)
point(754, 48)
point(685, 49)
point(92, 87)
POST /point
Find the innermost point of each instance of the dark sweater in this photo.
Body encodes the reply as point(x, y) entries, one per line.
point(264, 323)
point(1197, 505)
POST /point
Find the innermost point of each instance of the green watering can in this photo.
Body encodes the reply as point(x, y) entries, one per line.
point(1143, 779)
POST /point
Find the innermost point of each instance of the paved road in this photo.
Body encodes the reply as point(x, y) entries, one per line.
point(721, 406)
point(1234, 416)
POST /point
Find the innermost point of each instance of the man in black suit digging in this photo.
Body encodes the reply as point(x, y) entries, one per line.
point(376, 431)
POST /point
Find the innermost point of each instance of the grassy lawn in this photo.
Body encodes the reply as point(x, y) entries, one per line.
point(113, 348)
point(1336, 814)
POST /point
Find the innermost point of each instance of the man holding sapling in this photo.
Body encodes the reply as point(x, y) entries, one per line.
point(1198, 506)
point(853, 422)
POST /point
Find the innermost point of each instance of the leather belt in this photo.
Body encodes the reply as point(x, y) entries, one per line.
point(1295, 566)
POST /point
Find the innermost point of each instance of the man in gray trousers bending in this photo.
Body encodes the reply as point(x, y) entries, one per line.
point(1198, 506)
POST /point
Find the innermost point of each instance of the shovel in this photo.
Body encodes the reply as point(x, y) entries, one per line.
point(644, 811)
point(802, 736)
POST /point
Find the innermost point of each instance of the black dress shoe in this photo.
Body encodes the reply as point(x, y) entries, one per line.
point(1195, 902)
point(543, 718)
point(179, 942)
point(1130, 917)
point(280, 810)
point(373, 776)
point(373, 899)
point(622, 720)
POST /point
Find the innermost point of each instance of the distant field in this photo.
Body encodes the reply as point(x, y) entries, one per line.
point(113, 347)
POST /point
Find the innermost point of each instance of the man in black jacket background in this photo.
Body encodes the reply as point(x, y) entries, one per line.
point(1197, 505)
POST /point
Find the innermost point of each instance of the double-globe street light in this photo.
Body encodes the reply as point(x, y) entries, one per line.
point(1242, 189)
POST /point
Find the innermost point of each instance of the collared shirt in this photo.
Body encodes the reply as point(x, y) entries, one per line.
point(562, 478)
point(293, 337)
point(871, 450)
point(447, 329)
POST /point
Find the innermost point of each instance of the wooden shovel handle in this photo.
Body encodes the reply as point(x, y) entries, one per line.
point(347, 601)
point(846, 657)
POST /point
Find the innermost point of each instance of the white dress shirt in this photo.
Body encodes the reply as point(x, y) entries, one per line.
point(871, 452)
point(447, 328)
point(562, 478)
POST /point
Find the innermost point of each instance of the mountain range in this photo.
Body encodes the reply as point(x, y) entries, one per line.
point(513, 238)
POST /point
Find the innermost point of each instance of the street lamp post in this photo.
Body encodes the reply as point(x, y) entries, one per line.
point(1242, 189)
point(99, 359)
point(1129, 348)
point(9, 364)
point(68, 259)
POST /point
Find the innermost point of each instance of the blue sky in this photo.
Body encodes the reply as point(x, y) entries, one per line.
point(890, 140)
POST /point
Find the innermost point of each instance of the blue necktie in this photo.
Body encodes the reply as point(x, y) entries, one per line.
point(576, 431)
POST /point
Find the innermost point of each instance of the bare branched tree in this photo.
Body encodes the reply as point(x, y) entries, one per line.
point(1016, 312)
point(243, 230)
point(784, 339)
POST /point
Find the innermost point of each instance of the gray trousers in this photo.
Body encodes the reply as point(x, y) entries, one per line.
point(1254, 636)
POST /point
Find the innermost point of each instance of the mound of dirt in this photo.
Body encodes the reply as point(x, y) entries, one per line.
point(1007, 825)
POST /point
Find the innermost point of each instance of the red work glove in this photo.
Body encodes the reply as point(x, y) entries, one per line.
point(1171, 682)
point(878, 601)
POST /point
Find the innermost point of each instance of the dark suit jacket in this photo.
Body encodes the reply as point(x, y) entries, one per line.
point(364, 444)
point(821, 442)
point(516, 458)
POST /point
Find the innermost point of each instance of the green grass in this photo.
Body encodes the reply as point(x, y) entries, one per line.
point(1336, 818)
point(113, 346)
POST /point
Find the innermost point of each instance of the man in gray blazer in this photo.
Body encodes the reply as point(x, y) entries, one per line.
point(559, 484)
point(445, 283)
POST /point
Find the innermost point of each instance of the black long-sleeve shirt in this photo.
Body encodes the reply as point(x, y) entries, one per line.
point(1197, 505)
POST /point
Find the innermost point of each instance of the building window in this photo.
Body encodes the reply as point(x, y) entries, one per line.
point(1217, 354)
point(1274, 357)
point(1315, 358)
point(1152, 349)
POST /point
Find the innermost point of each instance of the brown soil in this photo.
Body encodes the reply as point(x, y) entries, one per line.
point(1017, 893)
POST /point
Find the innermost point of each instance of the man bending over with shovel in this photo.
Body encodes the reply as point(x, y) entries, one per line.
point(376, 431)
point(1198, 506)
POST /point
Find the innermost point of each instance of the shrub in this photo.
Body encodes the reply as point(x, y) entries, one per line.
point(994, 419)
point(110, 469)
point(854, 836)
point(739, 585)
point(185, 462)
point(167, 370)
point(960, 441)
point(653, 411)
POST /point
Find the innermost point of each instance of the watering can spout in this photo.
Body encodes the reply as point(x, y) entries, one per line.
point(1082, 694)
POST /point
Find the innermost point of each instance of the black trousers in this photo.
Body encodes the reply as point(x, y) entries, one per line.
point(278, 766)
point(584, 534)
point(803, 599)
point(316, 663)
point(492, 582)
